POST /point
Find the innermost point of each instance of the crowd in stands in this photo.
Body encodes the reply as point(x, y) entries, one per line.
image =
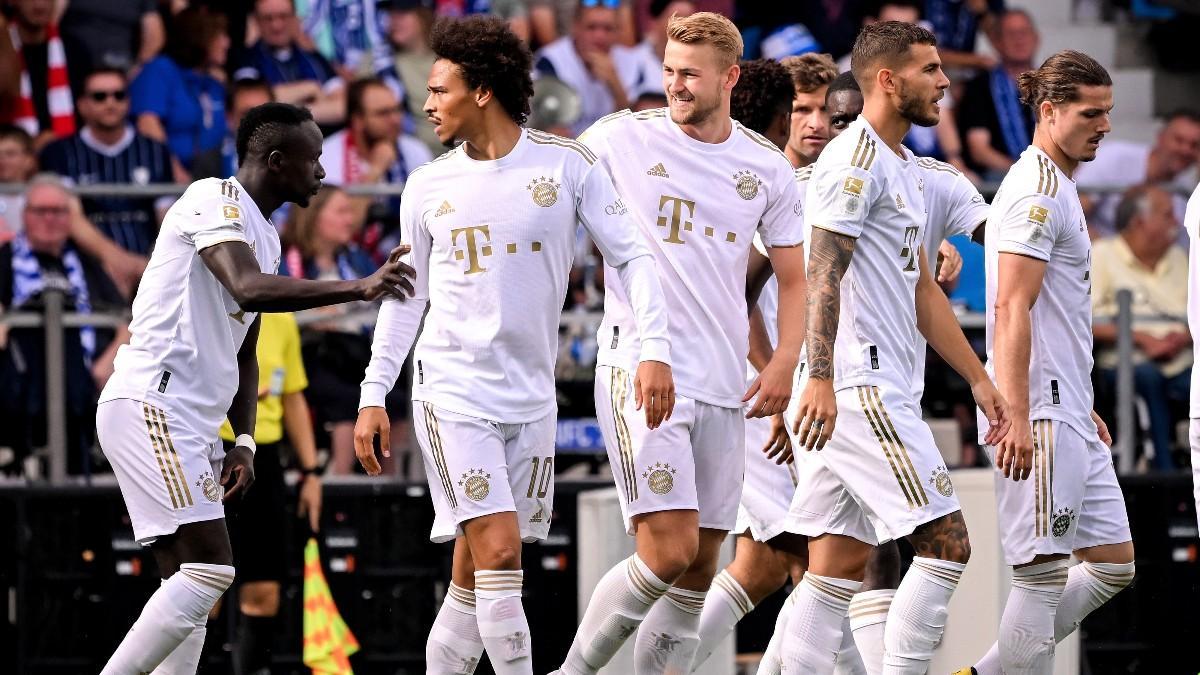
point(146, 92)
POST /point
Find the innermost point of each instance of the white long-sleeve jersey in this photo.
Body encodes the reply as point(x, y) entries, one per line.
point(492, 245)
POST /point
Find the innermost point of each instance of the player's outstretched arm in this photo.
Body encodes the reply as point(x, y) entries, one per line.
point(234, 265)
point(773, 386)
point(829, 258)
point(237, 471)
point(939, 325)
point(1018, 283)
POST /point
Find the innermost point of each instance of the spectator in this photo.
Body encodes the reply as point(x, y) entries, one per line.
point(549, 20)
point(996, 128)
point(10, 72)
point(109, 150)
point(299, 76)
point(175, 98)
point(318, 243)
point(956, 23)
point(107, 34)
point(28, 263)
point(373, 150)
point(649, 52)
point(44, 107)
point(1142, 258)
point(516, 13)
point(590, 62)
point(17, 165)
point(649, 100)
point(241, 96)
point(408, 24)
point(346, 33)
point(1169, 162)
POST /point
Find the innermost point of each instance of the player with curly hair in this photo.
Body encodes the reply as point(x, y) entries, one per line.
point(492, 225)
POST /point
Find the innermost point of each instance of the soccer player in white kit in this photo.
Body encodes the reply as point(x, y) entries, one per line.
point(191, 362)
point(1191, 222)
point(785, 102)
point(493, 228)
point(1056, 488)
point(880, 476)
point(700, 185)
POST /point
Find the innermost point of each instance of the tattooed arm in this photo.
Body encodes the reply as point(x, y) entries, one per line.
point(829, 258)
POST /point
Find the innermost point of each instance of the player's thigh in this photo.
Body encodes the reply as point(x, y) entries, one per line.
point(653, 469)
point(1039, 516)
point(1103, 523)
point(164, 469)
point(529, 452)
point(886, 457)
point(466, 466)
point(718, 440)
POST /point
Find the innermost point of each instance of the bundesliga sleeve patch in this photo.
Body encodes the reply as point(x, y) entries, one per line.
point(853, 186)
point(230, 212)
point(1038, 216)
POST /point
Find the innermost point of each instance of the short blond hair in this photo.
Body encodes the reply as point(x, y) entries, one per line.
point(708, 28)
point(810, 72)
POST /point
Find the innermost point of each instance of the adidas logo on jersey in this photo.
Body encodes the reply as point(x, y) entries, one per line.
point(658, 170)
point(444, 209)
point(899, 202)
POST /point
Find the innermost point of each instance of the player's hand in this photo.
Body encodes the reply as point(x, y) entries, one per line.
point(372, 421)
point(1014, 452)
point(309, 501)
point(1102, 429)
point(654, 388)
point(237, 472)
point(950, 264)
point(773, 386)
point(779, 444)
point(392, 278)
point(994, 408)
point(816, 415)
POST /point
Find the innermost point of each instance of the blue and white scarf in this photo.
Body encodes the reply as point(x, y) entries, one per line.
point(1009, 111)
point(28, 282)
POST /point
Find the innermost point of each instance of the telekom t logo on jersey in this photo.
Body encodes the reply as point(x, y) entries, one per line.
point(677, 221)
point(477, 244)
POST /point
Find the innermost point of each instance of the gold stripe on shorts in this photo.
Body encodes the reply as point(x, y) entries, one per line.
point(906, 461)
point(619, 393)
point(1050, 470)
point(158, 455)
point(435, 449)
point(869, 412)
point(174, 455)
point(168, 459)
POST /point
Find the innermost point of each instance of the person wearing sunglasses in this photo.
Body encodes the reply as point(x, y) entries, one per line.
point(590, 61)
point(109, 150)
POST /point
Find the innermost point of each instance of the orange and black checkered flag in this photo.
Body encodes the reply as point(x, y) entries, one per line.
point(328, 642)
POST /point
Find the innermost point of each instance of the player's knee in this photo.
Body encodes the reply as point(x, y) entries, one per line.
point(498, 557)
point(674, 555)
point(883, 568)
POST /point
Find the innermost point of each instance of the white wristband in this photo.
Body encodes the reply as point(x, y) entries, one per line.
point(247, 441)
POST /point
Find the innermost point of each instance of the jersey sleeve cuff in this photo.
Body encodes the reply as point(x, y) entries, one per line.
point(1021, 249)
point(656, 349)
point(372, 395)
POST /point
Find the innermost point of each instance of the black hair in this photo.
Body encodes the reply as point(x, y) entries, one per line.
point(887, 42)
point(355, 92)
point(489, 56)
point(247, 84)
point(105, 70)
point(16, 133)
point(764, 91)
point(265, 128)
point(843, 82)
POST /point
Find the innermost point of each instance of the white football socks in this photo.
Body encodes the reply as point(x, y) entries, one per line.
point(772, 658)
point(503, 628)
point(618, 605)
point(1026, 638)
point(454, 646)
point(917, 617)
point(814, 630)
point(849, 662)
point(724, 607)
point(669, 635)
point(868, 616)
point(186, 657)
point(1089, 585)
point(177, 609)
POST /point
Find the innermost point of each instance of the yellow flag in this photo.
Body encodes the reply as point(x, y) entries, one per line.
point(328, 642)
